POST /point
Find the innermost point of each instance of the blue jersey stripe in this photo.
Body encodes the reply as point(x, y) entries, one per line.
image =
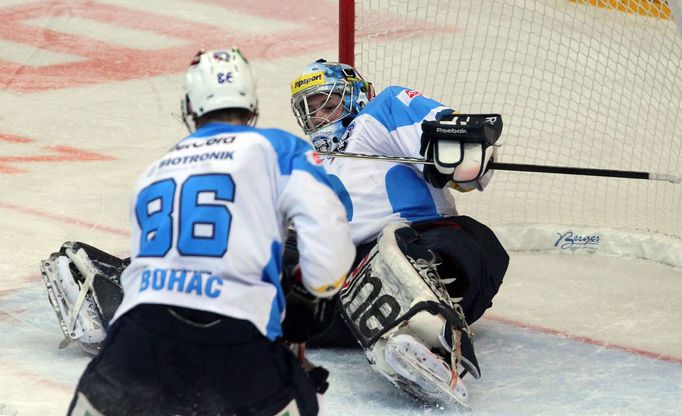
point(271, 274)
point(293, 153)
point(393, 113)
point(409, 195)
point(343, 195)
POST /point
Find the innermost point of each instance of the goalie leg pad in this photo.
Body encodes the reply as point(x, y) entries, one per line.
point(106, 284)
point(83, 325)
point(84, 290)
point(391, 294)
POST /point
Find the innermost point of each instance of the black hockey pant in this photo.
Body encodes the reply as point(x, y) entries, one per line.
point(161, 360)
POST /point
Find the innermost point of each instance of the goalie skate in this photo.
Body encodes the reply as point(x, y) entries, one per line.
point(72, 302)
point(422, 373)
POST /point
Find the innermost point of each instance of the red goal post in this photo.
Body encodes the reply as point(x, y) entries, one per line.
point(587, 83)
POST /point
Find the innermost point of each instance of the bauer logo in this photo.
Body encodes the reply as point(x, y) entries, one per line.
point(307, 81)
point(570, 240)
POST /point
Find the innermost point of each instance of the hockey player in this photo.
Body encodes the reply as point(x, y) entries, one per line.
point(448, 256)
point(203, 302)
point(422, 273)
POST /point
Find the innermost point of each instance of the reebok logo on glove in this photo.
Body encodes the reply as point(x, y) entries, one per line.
point(452, 130)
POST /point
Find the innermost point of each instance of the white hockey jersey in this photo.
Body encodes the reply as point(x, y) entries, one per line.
point(210, 217)
point(376, 193)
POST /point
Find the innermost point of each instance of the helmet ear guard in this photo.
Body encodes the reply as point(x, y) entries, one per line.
point(218, 80)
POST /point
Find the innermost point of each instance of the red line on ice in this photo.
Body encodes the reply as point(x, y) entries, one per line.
point(586, 340)
point(64, 219)
point(58, 153)
point(104, 62)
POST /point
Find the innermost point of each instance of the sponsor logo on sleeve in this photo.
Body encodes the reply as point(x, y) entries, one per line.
point(406, 96)
point(313, 157)
point(412, 93)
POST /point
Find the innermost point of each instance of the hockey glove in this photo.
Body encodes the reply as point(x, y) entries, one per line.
point(301, 309)
point(461, 147)
point(319, 375)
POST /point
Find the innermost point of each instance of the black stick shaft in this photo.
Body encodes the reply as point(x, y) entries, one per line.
point(521, 167)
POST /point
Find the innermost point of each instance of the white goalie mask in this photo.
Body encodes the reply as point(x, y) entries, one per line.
point(325, 99)
point(216, 80)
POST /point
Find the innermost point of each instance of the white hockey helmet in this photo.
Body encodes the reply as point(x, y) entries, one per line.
point(216, 80)
point(323, 116)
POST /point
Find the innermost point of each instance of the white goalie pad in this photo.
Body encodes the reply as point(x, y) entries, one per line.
point(72, 299)
point(399, 310)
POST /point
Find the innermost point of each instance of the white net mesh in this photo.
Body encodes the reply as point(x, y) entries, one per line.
point(576, 84)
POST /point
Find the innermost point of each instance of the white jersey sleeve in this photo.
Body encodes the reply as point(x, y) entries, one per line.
point(209, 219)
point(309, 201)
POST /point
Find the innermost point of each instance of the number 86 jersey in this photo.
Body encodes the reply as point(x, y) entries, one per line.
point(209, 219)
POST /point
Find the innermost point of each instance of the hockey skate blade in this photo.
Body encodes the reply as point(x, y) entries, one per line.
point(429, 378)
point(55, 292)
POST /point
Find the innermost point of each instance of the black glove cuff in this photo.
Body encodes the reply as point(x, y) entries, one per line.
point(434, 177)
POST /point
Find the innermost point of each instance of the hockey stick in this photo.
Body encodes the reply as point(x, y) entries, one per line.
point(520, 167)
point(300, 352)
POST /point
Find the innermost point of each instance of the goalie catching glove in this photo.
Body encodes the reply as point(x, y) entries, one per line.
point(301, 308)
point(461, 147)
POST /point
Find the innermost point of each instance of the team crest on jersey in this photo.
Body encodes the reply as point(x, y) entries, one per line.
point(412, 93)
point(314, 158)
point(344, 139)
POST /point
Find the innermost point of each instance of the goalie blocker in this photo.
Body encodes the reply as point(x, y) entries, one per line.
point(461, 146)
point(415, 294)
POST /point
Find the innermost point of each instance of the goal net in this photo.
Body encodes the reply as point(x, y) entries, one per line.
point(583, 83)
